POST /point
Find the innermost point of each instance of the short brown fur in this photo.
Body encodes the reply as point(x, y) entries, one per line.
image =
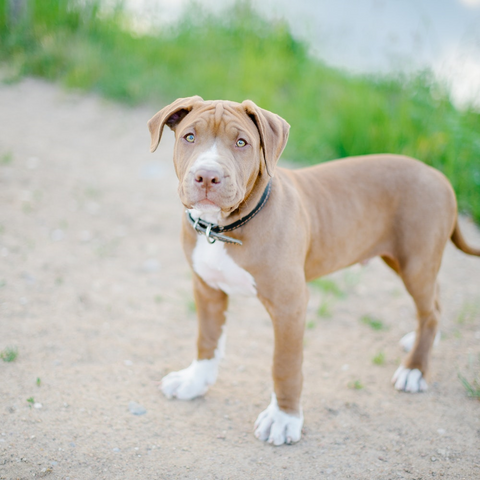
point(316, 221)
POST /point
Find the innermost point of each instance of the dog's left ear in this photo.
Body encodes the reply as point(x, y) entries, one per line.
point(170, 115)
point(273, 131)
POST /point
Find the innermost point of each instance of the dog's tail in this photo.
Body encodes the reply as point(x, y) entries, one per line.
point(459, 241)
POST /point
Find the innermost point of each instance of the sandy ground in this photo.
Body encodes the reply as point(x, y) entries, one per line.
point(95, 294)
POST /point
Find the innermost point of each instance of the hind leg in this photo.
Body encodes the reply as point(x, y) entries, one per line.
point(422, 286)
point(407, 342)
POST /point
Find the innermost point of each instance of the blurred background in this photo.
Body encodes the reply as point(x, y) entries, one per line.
point(366, 36)
point(350, 76)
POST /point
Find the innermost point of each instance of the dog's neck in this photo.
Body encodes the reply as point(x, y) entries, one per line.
point(249, 203)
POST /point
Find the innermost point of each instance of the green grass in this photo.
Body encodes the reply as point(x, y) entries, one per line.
point(379, 359)
point(9, 354)
point(355, 385)
point(311, 324)
point(352, 277)
point(373, 323)
point(325, 309)
point(468, 312)
point(6, 158)
point(191, 306)
point(328, 286)
point(472, 388)
point(238, 55)
point(330, 292)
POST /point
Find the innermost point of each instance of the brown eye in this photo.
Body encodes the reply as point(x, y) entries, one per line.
point(190, 137)
point(241, 143)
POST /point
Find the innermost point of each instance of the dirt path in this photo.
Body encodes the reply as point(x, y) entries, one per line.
point(95, 293)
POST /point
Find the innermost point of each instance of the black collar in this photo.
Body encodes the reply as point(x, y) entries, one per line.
point(214, 232)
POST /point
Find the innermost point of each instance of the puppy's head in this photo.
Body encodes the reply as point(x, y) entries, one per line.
point(221, 149)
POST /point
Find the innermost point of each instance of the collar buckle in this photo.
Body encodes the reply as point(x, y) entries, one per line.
point(212, 231)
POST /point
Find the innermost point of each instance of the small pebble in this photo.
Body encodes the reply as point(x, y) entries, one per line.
point(29, 278)
point(32, 163)
point(151, 265)
point(37, 405)
point(57, 235)
point(86, 236)
point(93, 208)
point(136, 409)
point(441, 431)
point(121, 231)
point(26, 196)
point(116, 449)
point(128, 363)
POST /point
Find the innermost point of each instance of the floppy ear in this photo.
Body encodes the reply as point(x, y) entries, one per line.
point(273, 131)
point(171, 115)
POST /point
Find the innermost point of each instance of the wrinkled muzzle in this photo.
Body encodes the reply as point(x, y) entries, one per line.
point(220, 175)
point(211, 183)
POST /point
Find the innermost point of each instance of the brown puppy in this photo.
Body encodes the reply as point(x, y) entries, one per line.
point(337, 213)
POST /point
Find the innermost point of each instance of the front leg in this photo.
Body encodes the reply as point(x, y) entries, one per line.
point(282, 421)
point(194, 380)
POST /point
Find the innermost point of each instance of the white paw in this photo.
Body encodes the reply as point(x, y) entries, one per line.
point(407, 380)
point(408, 341)
point(190, 382)
point(193, 381)
point(278, 427)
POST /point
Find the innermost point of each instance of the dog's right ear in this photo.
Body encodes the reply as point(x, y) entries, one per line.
point(171, 115)
point(273, 131)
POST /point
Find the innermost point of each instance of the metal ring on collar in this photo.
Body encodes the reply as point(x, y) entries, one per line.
point(196, 224)
point(200, 226)
point(207, 234)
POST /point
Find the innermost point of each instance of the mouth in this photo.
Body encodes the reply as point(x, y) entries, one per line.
point(206, 206)
point(206, 202)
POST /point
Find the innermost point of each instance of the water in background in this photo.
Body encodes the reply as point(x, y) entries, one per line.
point(367, 36)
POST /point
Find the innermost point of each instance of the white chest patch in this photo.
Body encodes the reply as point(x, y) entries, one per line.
point(218, 269)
